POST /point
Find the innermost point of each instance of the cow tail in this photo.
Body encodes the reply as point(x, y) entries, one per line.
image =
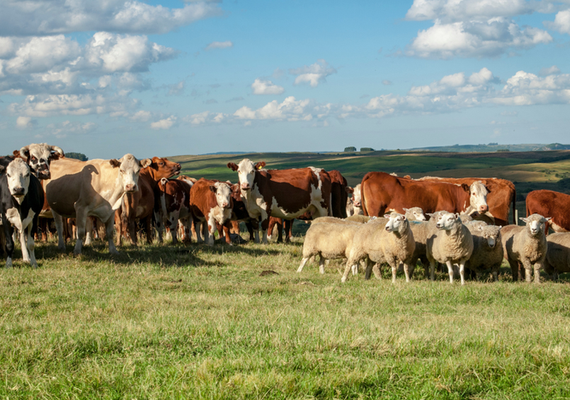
point(362, 197)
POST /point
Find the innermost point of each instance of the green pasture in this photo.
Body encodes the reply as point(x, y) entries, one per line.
point(194, 322)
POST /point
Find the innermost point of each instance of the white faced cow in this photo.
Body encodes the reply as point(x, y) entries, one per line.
point(38, 157)
point(90, 188)
point(286, 194)
point(210, 203)
point(22, 198)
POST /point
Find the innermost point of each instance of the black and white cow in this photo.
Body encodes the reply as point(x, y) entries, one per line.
point(38, 156)
point(22, 198)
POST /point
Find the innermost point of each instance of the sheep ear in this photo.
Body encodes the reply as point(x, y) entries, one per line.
point(404, 218)
point(523, 219)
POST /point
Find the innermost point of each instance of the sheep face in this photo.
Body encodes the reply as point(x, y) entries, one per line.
point(415, 214)
point(492, 234)
point(395, 223)
point(535, 223)
point(446, 220)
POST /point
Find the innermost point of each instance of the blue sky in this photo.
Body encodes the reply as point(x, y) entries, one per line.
point(172, 77)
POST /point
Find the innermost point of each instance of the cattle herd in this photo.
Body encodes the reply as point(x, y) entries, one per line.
point(380, 221)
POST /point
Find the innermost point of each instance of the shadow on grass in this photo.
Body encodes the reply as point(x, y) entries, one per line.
point(166, 255)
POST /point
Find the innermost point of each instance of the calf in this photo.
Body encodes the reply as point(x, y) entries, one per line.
point(210, 202)
point(174, 207)
point(22, 198)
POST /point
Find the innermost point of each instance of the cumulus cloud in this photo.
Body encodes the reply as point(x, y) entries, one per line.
point(176, 89)
point(165, 123)
point(205, 117)
point(219, 45)
point(290, 110)
point(66, 128)
point(472, 28)
point(260, 86)
point(40, 17)
point(313, 74)
point(561, 22)
point(24, 122)
point(549, 71)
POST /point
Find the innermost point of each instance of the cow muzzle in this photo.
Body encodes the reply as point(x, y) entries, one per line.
point(18, 192)
point(245, 186)
point(131, 187)
point(483, 208)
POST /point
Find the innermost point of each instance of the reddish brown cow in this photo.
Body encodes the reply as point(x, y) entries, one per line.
point(210, 203)
point(173, 206)
point(382, 192)
point(502, 195)
point(285, 194)
point(549, 203)
point(239, 213)
point(140, 205)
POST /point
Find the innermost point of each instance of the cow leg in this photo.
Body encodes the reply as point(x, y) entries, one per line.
point(118, 227)
point(30, 244)
point(109, 230)
point(58, 221)
point(211, 231)
point(288, 230)
point(80, 222)
point(148, 228)
point(8, 230)
point(264, 224)
point(88, 231)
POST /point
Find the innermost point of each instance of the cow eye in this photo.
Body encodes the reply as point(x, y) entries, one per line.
point(8, 175)
point(34, 159)
point(161, 164)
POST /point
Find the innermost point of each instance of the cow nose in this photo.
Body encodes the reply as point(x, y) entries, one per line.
point(18, 191)
point(131, 187)
point(245, 186)
point(483, 208)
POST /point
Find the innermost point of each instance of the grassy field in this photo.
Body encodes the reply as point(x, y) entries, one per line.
point(159, 322)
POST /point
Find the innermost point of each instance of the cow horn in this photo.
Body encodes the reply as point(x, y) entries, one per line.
point(57, 150)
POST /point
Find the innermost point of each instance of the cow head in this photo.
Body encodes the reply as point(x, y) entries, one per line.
point(129, 170)
point(246, 170)
point(38, 157)
point(535, 223)
point(356, 196)
point(18, 177)
point(491, 234)
point(163, 168)
point(477, 196)
point(223, 193)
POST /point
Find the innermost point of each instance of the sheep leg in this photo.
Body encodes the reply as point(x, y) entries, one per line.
point(407, 271)
point(347, 269)
point(355, 269)
point(321, 264)
point(537, 268)
point(394, 272)
point(303, 262)
point(528, 270)
point(514, 269)
point(368, 269)
point(462, 272)
point(376, 270)
point(450, 270)
point(432, 270)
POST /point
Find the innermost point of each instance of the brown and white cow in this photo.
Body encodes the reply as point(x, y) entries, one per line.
point(339, 194)
point(39, 156)
point(210, 203)
point(354, 201)
point(240, 214)
point(286, 194)
point(140, 205)
point(382, 192)
point(173, 207)
point(550, 204)
point(501, 195)
point(90, 188)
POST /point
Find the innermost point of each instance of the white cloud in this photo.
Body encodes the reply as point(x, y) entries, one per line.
point(561, 22)
point(489, 38)
point(290, 110)
point(459, 10)
point(219, 45)
point(24, 122)
point(266, 87)
point(141, 115)
point(166, 123)
point(205, 117)
point(38, 17)
point(176, 89)
point(528, 89)
point(313, 74)
point(549, 71)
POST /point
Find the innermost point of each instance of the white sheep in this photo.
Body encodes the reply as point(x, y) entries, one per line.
point(558, 254)
point(487, 248)
point(452, 244)
point(526, 245)
point(329, 241)
point(377, 242)
point(415, 214)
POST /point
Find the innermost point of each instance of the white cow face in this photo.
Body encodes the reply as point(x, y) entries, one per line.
point(18, 176)
point(356, 196)
point(446, 220)
point(246, 172)
point(223, 193)
point(396, 222)
point(38, 156)
point(415, 214)
point(535, 223)
point(129, 170)
point(478, 197)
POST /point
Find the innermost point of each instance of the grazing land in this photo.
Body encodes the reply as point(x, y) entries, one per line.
point(235, 322)
point(199, 322)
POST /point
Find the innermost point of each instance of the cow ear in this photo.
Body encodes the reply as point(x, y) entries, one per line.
point(260, 165)
point(2, 168)
point(465, 187)
point(115, 163)
point(232, 166)
point(25, 152)
point(349, 190)
point(213, 188)
point(16, 154)
point(145, 163)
